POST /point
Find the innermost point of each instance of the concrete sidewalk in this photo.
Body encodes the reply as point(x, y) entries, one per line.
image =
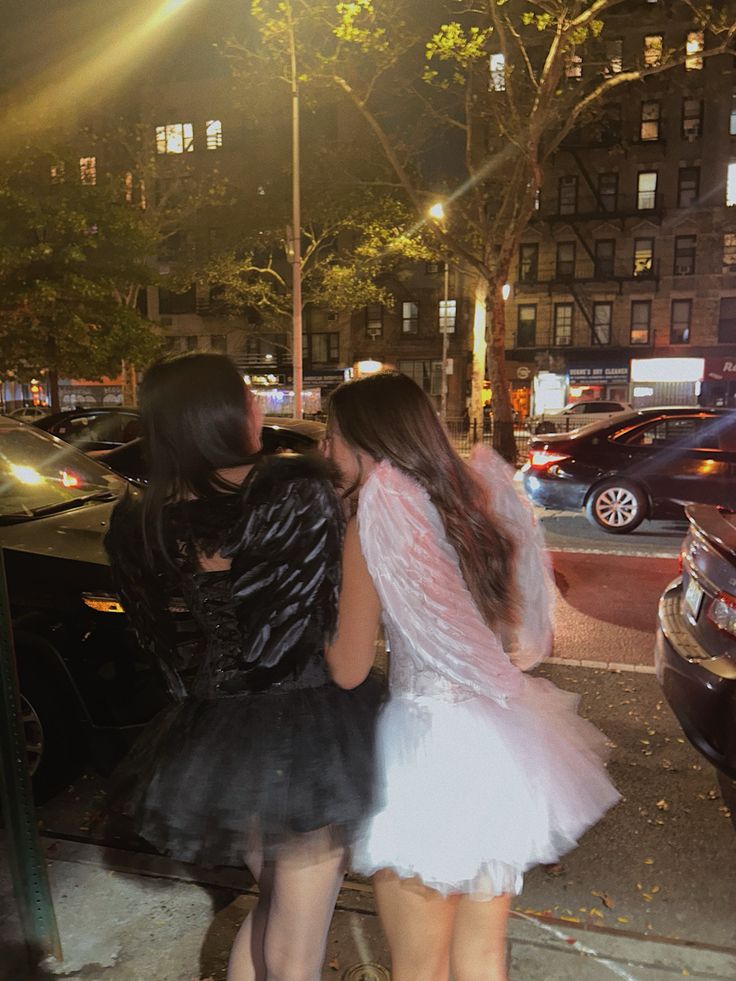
point(130, 917)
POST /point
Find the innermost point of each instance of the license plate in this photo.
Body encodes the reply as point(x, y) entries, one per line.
point(693, 599)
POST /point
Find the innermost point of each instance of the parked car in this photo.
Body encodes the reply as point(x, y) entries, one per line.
point(29, 413)
point(645, 464)
point(278, 435)
point(577, 414)
point(95, 428)
point(86, 687)
point(695, 654)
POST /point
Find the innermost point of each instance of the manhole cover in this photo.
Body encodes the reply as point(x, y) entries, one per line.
point(367, 972)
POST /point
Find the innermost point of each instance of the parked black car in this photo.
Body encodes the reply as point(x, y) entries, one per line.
point(86, 687)
point(94, 427)
point(647, 464)
point(278, 435)
point(695, 653)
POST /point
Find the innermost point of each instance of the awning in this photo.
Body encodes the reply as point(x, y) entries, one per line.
point(720, 369)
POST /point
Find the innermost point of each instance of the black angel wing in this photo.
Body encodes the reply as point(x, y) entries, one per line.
point(145, 594)
point(285, 561)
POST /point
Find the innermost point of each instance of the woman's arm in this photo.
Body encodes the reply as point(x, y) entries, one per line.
point(351, 654)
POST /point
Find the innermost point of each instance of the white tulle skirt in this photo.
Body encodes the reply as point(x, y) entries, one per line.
point(475, 794)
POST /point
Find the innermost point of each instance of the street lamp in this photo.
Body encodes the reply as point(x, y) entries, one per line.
point(437, 212)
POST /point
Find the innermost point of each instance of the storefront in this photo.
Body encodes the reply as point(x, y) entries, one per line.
point(666, 381)
point(587, 380)
point(719, 382)
point(521, 378)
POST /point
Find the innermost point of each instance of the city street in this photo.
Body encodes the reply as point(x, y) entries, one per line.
point(648, 895)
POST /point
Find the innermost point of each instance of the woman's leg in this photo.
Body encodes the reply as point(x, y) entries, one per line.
point(246, 962)
point(418, 923)
point(479, 940)
point(306, 881)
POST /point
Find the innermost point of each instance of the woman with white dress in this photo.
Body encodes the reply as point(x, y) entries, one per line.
point(486, 771)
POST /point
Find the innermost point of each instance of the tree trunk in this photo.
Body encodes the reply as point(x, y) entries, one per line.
point(478, 352)
point(504, 440)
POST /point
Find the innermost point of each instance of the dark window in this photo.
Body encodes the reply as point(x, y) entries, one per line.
point(687, 186)
point(374, 319)
point(602, 319)
point(692, 118)
point(732, 117)
point(680, 321)
point(729, 252)
point(563, 324)
point(170, 303)
point(526, 331)
point(528, 263)
point(649, 123)
point(567, 200)
point(608, 191)
point(727, 320)
point(665, 432)
point(641, 315)
point(643, 257)
point(427, 374)
point(325, 348)
point(565, 260)
point(409, 317)
point(218, 342)
point(191, 342)
point(432, 268)
point(605, 258)
point(684, 255)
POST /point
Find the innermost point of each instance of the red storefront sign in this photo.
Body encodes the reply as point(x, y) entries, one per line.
point(720, 369)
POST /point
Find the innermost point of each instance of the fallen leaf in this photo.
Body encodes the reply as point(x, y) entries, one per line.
point(622, 919)
point(654, 889)
point(663, 805)
point(334, 964)
point(649, 861)
point(604, 898)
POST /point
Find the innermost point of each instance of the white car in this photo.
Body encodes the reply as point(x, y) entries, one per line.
point(578, 414)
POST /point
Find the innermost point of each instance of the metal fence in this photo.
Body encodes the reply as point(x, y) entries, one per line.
point(464, 436)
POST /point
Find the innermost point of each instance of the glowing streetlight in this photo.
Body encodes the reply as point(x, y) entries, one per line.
point(506, 291)
point(437, 211)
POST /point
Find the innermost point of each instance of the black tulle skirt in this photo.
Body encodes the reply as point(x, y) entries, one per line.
point(209, 777)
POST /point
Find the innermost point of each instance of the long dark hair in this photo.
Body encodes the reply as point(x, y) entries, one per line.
point(389, 417)
point(195, 410)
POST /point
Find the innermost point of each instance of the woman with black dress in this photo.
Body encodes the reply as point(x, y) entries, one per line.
point(259, 760)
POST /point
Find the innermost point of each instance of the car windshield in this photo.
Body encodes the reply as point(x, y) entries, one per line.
point(41, 475)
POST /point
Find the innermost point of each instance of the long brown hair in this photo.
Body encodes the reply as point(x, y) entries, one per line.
point(389, 417)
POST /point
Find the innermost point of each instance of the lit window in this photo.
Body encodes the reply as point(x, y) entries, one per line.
point(88, 170)
point(213, 132)
point(649, 123)
point(680, 321)
point(574, 67)
point(498, 72)
point(731, 185)
point(175, 138)
point(653, 47)
point(641, 315)
point(602, 318)
point(528, 263)
point(646, 197)
point(57, 173)
point(409, 317)
point(694, 46)
point(615, 56)
point(128, 186)
point(563, 324)
point(729, 252)
point(643, 257)
point(447, 316)
point(692, 115)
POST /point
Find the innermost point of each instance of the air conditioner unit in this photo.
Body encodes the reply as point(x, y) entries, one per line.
point(691, 136)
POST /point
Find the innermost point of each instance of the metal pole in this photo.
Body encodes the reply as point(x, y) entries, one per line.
point(296, 219)
point(443, 328)
point(27, 865)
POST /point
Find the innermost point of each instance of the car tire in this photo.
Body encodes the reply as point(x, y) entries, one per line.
point(53, 736)
point(616, 506)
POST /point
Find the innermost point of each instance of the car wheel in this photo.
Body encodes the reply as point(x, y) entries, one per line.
point(52, 734)
point(617, 507)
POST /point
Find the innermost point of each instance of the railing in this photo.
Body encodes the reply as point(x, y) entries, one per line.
point(465, 435)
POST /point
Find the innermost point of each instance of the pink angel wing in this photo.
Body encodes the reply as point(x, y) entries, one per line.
point(533, 578)
point(423, 594)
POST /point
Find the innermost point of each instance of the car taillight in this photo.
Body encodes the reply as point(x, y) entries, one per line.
point(722, 613)
point(70, 479)
point(544, 459)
